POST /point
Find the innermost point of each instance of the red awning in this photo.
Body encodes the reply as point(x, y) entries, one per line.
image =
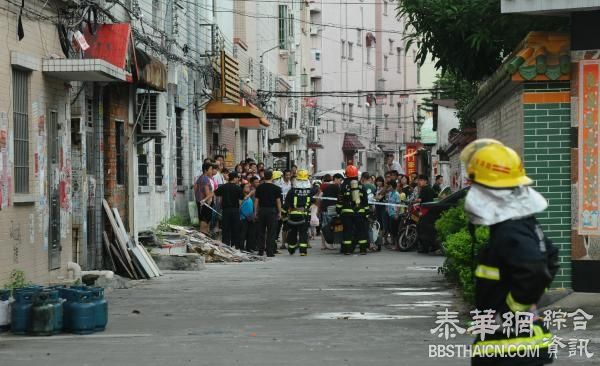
point(111, 43)
point(254, 123)
point(351, 142)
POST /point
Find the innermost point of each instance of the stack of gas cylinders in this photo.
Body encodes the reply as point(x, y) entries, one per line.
point(44, 311)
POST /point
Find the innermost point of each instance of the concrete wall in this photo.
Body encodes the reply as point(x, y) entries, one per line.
point(24, 218)
point(504, 121)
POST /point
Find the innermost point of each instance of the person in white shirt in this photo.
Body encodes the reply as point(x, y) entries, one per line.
point(391, 164)
point(218, 177)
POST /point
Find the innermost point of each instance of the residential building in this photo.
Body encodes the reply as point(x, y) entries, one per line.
point(365, 56)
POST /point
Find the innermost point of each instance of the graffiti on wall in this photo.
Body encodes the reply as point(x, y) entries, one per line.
point(588, 169)
point(5, 166)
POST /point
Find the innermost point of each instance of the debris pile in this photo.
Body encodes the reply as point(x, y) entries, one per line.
point(212, 250)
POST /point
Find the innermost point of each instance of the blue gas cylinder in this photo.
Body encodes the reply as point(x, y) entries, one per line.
point(66, 295)
point(81, 315)
point(42, 315)
point(101, 309)
point(56, 303)
point(20, 314)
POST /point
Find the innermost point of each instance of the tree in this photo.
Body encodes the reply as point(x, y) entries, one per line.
point(450, 86)
point(468, 38)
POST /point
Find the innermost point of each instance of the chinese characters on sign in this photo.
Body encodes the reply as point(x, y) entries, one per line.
point(518, 334)
point(411, 159)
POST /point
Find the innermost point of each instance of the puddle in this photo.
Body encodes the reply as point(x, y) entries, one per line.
point(363, 316)
point(423, 304)
point(331, 289)
point(423, 293)
point(423, 268)
point(411, 288)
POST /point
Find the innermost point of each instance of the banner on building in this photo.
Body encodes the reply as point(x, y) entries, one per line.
point(410, 158)
point(588, 172)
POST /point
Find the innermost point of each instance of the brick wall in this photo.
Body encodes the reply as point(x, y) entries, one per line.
point(504, 122)
point(116, 107)
point(547, 158)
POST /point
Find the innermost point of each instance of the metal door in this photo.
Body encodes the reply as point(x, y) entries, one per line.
point(54, 246)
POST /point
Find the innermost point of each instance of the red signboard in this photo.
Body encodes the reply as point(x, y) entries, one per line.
point(411, 159)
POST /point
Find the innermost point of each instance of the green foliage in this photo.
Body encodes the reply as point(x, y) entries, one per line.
point(451, 221)
point(173, 220)
point(468, 38)
point(458, 247)
point(461, 90)
point(17, 280)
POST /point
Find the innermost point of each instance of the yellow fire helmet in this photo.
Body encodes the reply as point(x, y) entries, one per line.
point(302, 174)
point(471, 148)
point(497, 166)
point(277, 174)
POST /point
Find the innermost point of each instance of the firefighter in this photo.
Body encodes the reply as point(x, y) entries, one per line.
point(297, 204)
point(353, 208)
point(518, 263)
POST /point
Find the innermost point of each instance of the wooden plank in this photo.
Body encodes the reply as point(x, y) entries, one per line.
point(146, 262)
point(118, 235)
point(138, 266)
point(107, 247)
point(120, 261)
point(150, 260)
point(145, 265)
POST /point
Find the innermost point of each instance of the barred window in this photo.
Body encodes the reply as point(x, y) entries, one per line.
point(21, 129)
point(158, 162)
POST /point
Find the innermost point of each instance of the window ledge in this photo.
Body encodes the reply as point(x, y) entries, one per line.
point(160, 189)
point(24, 199)
point(144, 189)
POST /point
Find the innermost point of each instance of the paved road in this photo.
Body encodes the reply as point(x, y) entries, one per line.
point(324, 309)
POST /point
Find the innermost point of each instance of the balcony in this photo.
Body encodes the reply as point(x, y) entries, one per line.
point(316, 65)
point(292, 133)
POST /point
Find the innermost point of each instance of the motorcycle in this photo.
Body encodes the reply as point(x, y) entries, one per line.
point(408, 236)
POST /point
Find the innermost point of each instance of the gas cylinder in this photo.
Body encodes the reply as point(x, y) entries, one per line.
point(20, 311)
point(4, 310)
point(81, 312)
point(58, 310)
point(42, 315)
point(101, 308)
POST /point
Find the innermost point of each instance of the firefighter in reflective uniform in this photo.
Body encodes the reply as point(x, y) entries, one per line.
point(297, 204)
point(353, 208)
point(518, 263)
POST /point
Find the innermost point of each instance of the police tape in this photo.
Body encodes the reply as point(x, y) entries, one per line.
point(375, 203)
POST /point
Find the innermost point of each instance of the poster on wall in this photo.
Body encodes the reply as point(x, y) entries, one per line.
point(588, 172)
point(4, 164)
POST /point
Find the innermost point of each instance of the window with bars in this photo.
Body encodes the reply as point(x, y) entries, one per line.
point(343, 111)
point(283, 11)
point(179, 145)
point(358, 37)
point(148, 107)
point(385, 63)
point(89, 136)
point(21, 129)
point(120, 151)
point(391, 46)
point(343, 49)
point(350, 112)
point(158, 162)
point(399, 60)
point(143, 168)
point(350, 51)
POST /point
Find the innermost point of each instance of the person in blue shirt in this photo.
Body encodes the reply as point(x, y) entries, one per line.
point(248, 221)
point(393, 212)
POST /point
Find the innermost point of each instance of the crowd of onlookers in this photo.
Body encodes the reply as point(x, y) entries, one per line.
point(227, 201)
